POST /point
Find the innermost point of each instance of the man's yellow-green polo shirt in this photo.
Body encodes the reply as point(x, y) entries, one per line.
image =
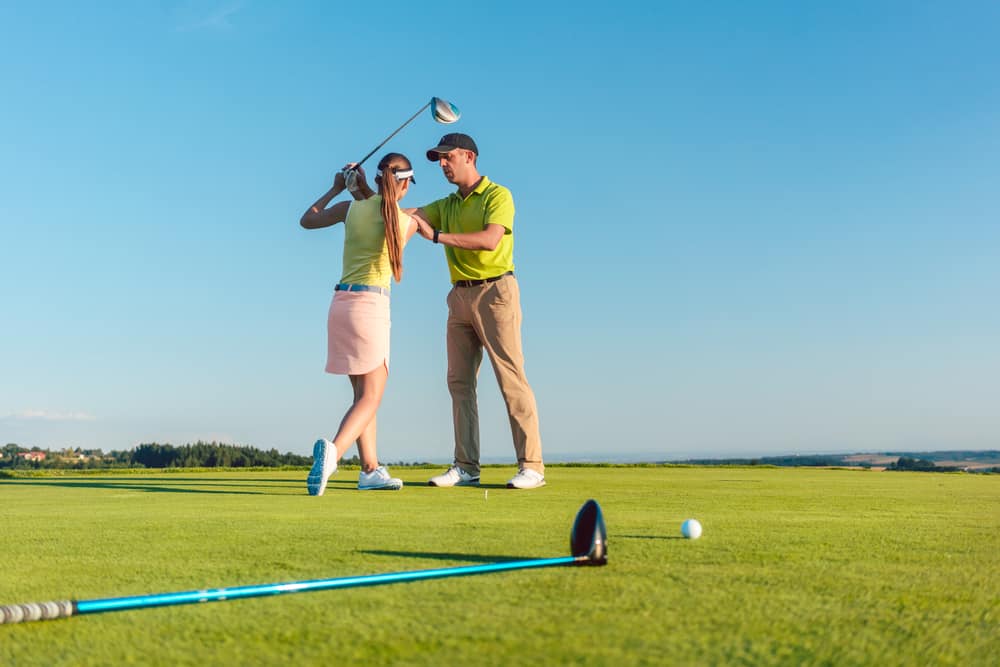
point(488, 204)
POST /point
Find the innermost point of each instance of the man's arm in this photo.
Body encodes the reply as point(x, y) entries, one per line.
point(499, 219)
point(487, 239)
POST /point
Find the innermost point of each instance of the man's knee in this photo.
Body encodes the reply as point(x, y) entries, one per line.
point(461, 385)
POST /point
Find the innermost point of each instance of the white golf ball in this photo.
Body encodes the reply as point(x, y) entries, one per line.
point(691, 529)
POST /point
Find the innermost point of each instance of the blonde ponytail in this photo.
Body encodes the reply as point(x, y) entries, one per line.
point(389, 189)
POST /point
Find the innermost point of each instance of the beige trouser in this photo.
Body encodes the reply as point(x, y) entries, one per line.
point(489, 316)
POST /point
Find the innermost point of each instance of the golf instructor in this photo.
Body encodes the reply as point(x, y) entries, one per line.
point(475, 225)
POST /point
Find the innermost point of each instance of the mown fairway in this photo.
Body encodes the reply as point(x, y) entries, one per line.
point(796, 566)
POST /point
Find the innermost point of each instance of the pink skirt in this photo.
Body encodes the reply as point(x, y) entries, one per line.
point(357, 331)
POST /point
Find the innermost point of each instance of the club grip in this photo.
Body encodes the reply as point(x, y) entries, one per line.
point(36, 611)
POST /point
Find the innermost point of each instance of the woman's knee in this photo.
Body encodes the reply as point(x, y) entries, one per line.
point(370, 387)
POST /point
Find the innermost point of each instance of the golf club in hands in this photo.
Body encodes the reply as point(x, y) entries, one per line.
point(442, 111)
point(588, 543)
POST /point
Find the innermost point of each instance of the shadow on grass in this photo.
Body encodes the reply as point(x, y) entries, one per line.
point(436, 555)
point(646, 537)
point(161, 485)
point(352, 484)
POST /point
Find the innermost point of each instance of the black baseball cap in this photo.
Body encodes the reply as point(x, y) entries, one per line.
point(450, 142)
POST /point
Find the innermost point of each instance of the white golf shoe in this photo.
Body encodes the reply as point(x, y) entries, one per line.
point(324, 465)
point(526, 479)
point(378, 479)
point(454, 476)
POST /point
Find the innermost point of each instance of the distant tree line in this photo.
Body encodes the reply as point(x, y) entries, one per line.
point(919, 465)
point(212, 455)
point(153, 455)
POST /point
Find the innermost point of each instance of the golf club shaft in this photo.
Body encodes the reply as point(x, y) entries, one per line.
point(41, 611)
point(394, 133)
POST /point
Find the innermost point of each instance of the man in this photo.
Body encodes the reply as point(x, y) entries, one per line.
point(475, 224)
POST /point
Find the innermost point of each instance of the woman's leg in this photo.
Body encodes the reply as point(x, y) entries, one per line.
point(366, 441)
point(359, 422)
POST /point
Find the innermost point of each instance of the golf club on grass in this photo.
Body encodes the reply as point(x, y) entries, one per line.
point(588, 542)
point(442, 111)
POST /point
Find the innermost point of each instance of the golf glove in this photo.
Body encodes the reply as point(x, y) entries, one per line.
point(351, 179)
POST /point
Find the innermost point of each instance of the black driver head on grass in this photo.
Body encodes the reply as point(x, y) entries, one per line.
point(590, 536)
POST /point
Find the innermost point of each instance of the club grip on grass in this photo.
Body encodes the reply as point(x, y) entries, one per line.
point(36, 611)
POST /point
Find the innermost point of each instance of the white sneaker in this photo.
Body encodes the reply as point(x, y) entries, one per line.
point(454, 476)
point(324, 465)
point(378, 479)
point(526, 479)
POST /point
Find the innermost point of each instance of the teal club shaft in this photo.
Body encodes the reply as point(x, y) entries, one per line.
point(41, 611)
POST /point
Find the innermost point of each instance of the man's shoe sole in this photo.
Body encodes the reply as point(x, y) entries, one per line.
point(527, 488)
point(471, 482)
point(386, 487)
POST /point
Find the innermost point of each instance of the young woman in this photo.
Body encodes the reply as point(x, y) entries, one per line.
point(358, 325)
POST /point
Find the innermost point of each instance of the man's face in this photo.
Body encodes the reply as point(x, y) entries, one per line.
point(456, 164)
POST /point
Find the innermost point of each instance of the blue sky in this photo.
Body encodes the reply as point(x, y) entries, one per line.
point(741, 229)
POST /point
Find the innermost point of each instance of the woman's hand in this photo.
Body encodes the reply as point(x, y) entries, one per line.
point(354, 178)
point(339, 182)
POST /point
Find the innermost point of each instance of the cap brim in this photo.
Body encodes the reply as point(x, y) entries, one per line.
point(433, 154)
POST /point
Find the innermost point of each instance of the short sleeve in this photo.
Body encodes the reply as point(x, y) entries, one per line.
point(499, 209)
point(432, 213)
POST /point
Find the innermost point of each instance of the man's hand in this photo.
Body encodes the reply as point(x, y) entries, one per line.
point(423, 227)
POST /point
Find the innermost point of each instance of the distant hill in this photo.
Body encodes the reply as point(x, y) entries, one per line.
point(971, 461)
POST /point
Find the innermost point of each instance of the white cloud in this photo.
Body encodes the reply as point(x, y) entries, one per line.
point(45, 415)
point(216, 19)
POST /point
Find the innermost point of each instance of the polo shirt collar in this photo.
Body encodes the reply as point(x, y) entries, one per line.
point(484, 182)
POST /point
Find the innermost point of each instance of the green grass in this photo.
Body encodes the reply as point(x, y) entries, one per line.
point(796, 566)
